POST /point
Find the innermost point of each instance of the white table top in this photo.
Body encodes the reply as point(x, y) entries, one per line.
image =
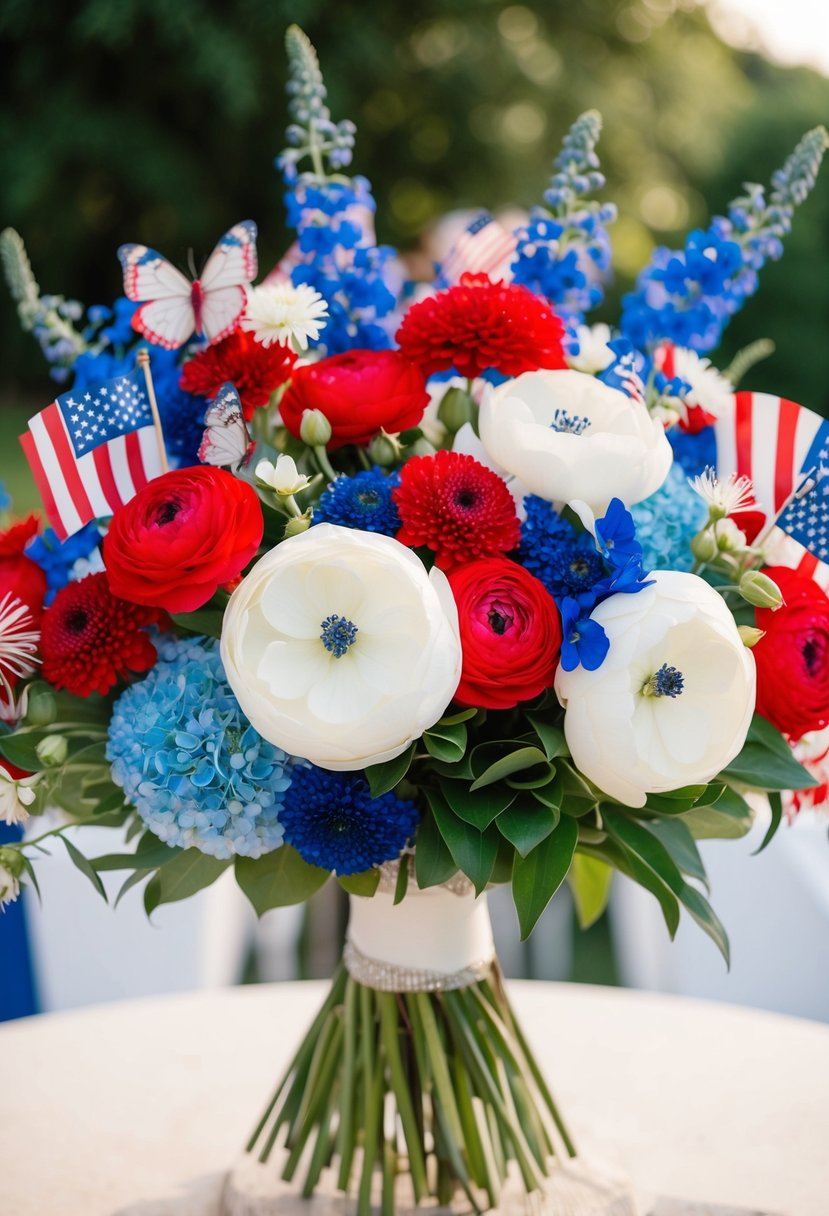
point(107, 1107)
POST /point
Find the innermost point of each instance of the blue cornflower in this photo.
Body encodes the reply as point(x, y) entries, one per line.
point(583, 640)
point(190, 762)
point(333, 822)
point(693, 452)
point(668, 519)
point(58, 559)
point(566, 563)
point(616, 535)
point(363, 501)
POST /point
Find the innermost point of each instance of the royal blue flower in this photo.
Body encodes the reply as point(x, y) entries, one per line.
point(363, 501)
point(616, 535)
point(58, 559)
point(333, 822)
point(186, 757)
point(583, 640)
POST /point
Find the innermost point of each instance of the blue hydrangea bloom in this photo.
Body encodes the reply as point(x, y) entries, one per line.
point(57, 558)
point(333, 822)
point(694, 453)
point(191, 763)
point(363, 501)
point(666, 522)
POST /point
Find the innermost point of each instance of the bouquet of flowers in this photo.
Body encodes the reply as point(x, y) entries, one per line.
point(443, 589)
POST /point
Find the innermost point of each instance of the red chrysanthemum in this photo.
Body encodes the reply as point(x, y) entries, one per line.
point(480, 324)
point(91, 639)
point(20, 577)
point(456, 506)
point(254, 369)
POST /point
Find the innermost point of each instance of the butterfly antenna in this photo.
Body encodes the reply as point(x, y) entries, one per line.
point(191, 262)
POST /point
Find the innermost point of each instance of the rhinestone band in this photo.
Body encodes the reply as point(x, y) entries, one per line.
point(388, 977)
point(458, 884)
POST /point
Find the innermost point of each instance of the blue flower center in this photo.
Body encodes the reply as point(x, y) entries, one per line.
point(569, 424)
point(338, 633)
point(667, 682)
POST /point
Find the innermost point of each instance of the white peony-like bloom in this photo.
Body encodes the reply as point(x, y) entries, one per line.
point(284, 313)
point(569, 437)
point(340, 647)
point(283, 477)
point(594, 352)
point(16, 796)
point(671, 703)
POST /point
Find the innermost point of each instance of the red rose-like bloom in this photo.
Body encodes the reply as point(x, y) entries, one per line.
point(510, 633)
point(254, 369)
point(182, 536)
point(20, 577)
point(456, 506)
point(360, 393)
point(91, 640)
point(480, 324)
point(793, 657)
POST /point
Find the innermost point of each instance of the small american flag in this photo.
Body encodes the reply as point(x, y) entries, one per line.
point(780, 445)
point(92, 451)
point(484, 247)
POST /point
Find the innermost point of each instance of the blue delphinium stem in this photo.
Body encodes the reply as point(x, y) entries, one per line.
point(689, 296)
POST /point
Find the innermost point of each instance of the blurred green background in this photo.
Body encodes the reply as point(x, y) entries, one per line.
point(158, 121)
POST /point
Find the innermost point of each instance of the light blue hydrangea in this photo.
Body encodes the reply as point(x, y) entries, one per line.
point(667, 521)
point(191, 763)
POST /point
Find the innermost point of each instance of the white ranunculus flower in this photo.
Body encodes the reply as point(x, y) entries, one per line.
point(341, 648)
point(569, 437)
point(671, 703)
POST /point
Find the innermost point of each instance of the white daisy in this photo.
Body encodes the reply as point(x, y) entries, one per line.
point(709, 388)
point(283, 313)
point(723, 497)
point(18, 642)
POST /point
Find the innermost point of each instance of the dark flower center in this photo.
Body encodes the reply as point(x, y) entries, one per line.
point(813, 655)
point(500, 619)
point(338, 633)
point(167, 512)
point(465, 498)
point(368, 498)
point(76, 620)
point(667, 682)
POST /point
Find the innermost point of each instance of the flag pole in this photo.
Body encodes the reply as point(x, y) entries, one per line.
point(143, 361)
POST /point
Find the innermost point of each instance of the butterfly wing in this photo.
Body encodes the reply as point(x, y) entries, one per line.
point(233, 261)
point(166, 317)
point(225, 440)
point(220, 310)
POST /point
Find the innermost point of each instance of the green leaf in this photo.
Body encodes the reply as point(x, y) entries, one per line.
point(516, 760)
point(203, 620)
point(767, 762)
point(552, 739)
point(433, 861)
point(776, 804)
point(132, 881)
point(678, 840)
point(147, 859)
point(85, 867)
point(629, 863)
point(729, 818)
point(463, 715)
point(480, 807)
point(537, 877)
point(447, 743)
point(278, 878)
point(472, 851)
point(401, 885)
point(589, 880)
point(525, 825)
point(360, 884)
point(638, 839)
point(579, 796)
point(186, 874)
point(676, 801)
point(384, 777)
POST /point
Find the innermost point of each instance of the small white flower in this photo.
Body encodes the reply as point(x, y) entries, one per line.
point(672, 702)
point(283, 477)
point(569, 437)
point(16, 795)
point(594, 353)
point(18, 643)
point(283, 313)
point(340, 647)
point(9, 886)
point(723, 497)
point(709, 388)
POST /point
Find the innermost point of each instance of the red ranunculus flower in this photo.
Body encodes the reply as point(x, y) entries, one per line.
point(20, 577)
point(455, 506)
point(793, 657)
point(360, 393)
point(480, 324)
point(181, 537)
point(255, 370)
point(510, 633)
point(91, 639)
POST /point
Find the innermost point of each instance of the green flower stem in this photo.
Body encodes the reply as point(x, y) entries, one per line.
point(400, 1087)
point(324, 463)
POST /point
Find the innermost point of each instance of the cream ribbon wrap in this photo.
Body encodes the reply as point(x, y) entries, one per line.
point(435, 939)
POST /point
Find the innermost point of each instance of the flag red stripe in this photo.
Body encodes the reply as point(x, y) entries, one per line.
point(43, 484)
point(136, 463)
point(742, 433)
point(807, 565)
point(103, 465)
point(784, 457)
point(56, 431)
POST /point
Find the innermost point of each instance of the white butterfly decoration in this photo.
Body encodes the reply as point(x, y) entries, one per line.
point(225, 440)
point(172, 307)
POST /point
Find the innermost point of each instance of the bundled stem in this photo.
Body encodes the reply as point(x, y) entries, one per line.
point(439, 1088)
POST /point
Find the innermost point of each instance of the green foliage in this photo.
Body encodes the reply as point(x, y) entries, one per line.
point(279, 878)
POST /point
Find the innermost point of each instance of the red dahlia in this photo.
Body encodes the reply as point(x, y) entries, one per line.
point(90, 639)
point(480, 324)
point(453, 504)
point(254, 369)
